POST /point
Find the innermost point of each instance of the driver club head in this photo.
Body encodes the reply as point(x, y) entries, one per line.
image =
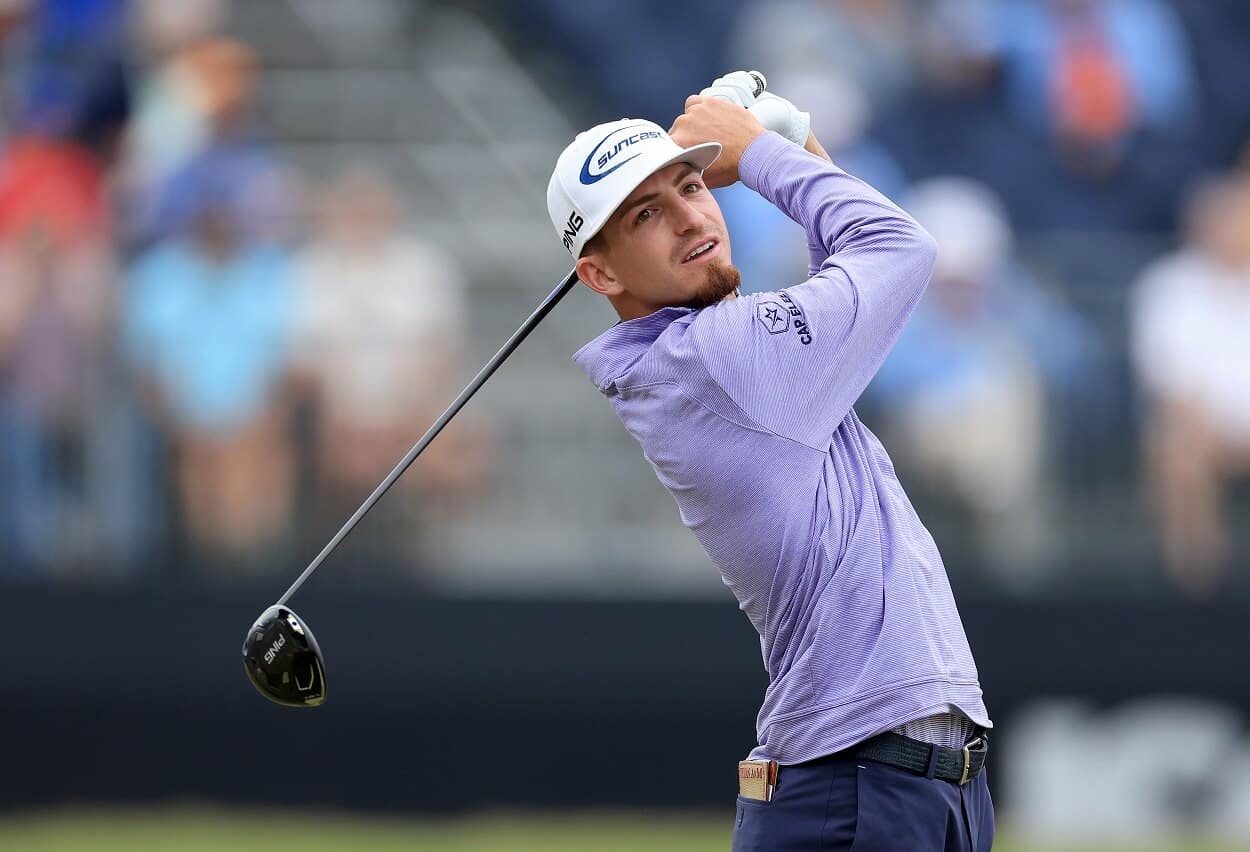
point(282, 659)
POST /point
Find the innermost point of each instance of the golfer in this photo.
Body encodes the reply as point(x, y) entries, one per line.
point(872, 730)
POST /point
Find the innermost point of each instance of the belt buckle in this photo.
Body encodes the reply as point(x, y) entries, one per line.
point(967, 752)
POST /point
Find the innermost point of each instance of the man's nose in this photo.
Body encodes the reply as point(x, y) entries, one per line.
point(686, 217)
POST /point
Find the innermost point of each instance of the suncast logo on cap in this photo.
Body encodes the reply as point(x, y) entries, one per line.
point(599, 163)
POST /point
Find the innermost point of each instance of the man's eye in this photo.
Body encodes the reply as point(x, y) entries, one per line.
point(692, 187)
point(643, 216)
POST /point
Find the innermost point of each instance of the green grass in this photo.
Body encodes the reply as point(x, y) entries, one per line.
point(202, 830)
point(185, 829)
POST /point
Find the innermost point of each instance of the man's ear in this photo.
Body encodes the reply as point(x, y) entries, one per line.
point(595, 273)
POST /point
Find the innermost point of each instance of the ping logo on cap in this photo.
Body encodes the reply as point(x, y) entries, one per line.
point(571, 228)
point(599, 163)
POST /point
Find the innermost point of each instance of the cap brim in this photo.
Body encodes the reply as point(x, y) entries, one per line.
point(700, 156)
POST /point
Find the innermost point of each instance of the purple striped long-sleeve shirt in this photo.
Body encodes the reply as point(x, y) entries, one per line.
point(744, 409)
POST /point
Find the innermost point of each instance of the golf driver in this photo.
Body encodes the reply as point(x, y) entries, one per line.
point(280, 655)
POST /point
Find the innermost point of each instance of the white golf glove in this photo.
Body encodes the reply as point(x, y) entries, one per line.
point(737, 87)
point(778, 114)
point(774, 112)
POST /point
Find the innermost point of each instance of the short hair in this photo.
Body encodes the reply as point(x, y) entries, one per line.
point(598, 243)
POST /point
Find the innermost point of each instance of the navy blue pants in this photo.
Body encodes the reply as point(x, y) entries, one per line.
point(840, 803)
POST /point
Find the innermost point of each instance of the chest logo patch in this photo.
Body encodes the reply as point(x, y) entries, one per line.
point(776, 319)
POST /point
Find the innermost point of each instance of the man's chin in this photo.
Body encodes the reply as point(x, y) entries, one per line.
point(721, 281)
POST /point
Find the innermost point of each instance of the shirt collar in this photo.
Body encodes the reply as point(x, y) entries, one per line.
point(610, 355)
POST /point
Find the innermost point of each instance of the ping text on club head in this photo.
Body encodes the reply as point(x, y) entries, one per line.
point(275, 648)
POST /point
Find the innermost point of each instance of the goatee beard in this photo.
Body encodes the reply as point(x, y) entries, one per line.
point(721, 280)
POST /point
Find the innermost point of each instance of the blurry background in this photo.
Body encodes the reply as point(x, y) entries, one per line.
point(249, 250)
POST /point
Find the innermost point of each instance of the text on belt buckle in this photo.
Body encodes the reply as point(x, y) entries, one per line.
point(757, 779)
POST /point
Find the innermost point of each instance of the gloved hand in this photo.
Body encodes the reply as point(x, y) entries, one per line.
point(774, 112)
point(737, 87)
point(779, 115)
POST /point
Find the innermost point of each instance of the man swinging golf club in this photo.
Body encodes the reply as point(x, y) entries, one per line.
point(872, 729)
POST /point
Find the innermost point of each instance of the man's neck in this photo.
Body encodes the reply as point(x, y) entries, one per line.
point(629, 309)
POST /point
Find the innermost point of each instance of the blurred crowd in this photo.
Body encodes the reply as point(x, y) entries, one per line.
point(205, 355)
point(1003, 125)
point(198, 345)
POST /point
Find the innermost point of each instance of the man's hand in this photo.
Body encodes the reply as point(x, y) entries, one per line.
point(712, 119)
point(746, 89)
point(772, 111)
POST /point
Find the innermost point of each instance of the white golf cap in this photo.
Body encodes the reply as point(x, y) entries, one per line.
point(603, 165)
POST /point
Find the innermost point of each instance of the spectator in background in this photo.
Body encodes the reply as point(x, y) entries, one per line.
point(183, 96)
point(866, 41)
point(203, 115)
point(380, 331)
point(207, 332)
point(1095, 72)
point(69, 82)
point(70, 483)
point(964, 392)
point(64, 434)
point(768, 243)
point(1108, 94)
point(955, 45)
point(1191, 347)
point(1082, 114)
point(638, 59)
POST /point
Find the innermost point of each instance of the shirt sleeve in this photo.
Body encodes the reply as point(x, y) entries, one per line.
point(1165, 323)
point(797, 359)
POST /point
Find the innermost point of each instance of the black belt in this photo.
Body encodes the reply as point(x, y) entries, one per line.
point(959, 765)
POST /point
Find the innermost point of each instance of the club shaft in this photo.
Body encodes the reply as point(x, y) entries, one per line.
point(480, 379)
